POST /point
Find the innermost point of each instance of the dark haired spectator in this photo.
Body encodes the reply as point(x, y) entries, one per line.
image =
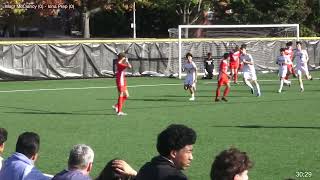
point(209, 66)
point(117, 169)
point(20, 165)
point(231, 164)
point(79, 164)
point(175, 145)
point(3, 139)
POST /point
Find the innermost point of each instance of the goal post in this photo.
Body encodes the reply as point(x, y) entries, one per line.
point(268, 32)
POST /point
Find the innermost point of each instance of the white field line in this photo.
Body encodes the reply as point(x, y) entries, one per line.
point(84, 88)
point(263, 80)
point(109, 87)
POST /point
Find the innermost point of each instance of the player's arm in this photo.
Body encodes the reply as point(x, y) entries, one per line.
point(128, 63)
point(195, 71)
point(307, 56)
point(249, 62)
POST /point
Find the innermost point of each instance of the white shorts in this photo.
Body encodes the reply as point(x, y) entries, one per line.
point(302, 69)
point(283, 71)
point(189, 81)
point(251, 76)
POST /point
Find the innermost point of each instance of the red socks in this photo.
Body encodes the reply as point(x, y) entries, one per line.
point(121, 101)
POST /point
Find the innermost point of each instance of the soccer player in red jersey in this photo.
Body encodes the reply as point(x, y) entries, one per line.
point(223, 78)
point(121, 82)
point(289, 54)
point(234, 63)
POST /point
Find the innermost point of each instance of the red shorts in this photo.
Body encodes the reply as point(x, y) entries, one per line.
point(223, 81)
point(234, 65)
point(122, 87)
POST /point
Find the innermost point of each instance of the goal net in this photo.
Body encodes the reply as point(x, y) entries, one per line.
point(263, 43)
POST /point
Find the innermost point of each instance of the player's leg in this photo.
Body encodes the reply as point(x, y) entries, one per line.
point(226, 92)
point(235, 76)
point(192, 91)
point(256, 84)
point(289, 71)
point(281, 84)
point(307, 74)
point(248, 83)
point(218, 92)
point(300, 79)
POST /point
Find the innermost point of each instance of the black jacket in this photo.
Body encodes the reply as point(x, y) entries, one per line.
point(160, 168)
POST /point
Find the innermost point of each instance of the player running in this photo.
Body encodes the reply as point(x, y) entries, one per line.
point(301, 57)
point(283, 62)
point(223, 78)
point(249, 73)
point(191, 78)
point(289, 54)
point(121, 82)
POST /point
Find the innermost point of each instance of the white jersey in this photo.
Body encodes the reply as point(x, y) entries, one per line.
point(282, 61)
point(190, 69)
point(301, 57)
point(247, 67)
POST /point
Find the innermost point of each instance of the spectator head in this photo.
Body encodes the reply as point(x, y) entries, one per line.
point(3, 138)
point(231, 164)
point(110, 173)
point(176, 143)
point(288, 44)
point(28, 144)
point(81, 158)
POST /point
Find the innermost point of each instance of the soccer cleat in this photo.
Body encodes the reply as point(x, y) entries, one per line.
point(217, 100)
point(258, 94)
point(121, 114)
point(224, 99)
point(191, 99)
point(279, 91)
point(301, 89)
point(252, 90)
point(289, 84)
point(115, 108)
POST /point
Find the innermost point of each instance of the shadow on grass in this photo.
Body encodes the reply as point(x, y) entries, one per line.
point(40, 111)
point(21, 110)
point(269, 127)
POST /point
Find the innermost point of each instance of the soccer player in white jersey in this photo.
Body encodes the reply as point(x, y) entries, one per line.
point(249, 73)
point(191, 79)
point(283, 62)
point(301, 57)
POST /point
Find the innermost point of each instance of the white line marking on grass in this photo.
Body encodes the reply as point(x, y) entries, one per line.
point(84, 88)
point(264, 80)
point(109, 87)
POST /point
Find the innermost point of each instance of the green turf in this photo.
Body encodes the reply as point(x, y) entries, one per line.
point(279, 131)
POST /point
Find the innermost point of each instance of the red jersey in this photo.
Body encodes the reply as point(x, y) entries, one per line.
point(120, 77)
point(223, 68)
point(235, 60)
point(289, 53)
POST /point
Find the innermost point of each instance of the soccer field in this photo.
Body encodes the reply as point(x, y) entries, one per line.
point(279, 131)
